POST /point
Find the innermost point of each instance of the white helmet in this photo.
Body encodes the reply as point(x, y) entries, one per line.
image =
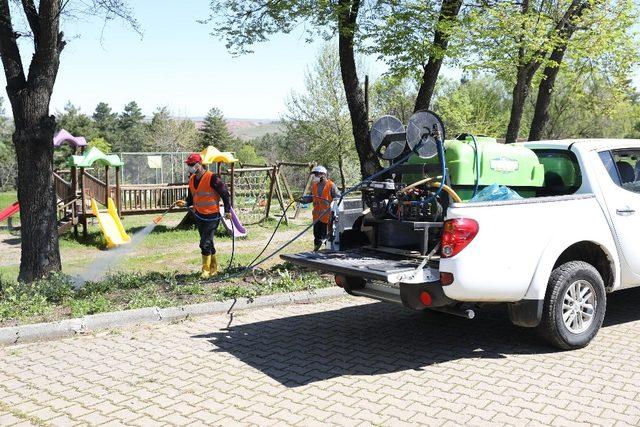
point(319, 169)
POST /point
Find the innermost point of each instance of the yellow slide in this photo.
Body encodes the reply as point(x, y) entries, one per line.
point(110, 224)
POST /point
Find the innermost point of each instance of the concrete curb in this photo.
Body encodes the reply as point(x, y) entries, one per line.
point(69, 327)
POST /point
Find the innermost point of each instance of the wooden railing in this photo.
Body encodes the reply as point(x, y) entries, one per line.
point(150, 198)
point(64, 189)
point(95, 188)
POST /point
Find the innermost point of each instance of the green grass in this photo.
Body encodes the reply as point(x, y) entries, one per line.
point(7, 198)
point(162, 271)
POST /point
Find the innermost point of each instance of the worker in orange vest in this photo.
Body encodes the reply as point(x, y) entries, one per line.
point(206, 190)
point(322, 194)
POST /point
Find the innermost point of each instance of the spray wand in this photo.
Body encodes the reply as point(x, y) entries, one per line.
point(157, 219)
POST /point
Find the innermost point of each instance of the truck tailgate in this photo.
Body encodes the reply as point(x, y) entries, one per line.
point(363, 263)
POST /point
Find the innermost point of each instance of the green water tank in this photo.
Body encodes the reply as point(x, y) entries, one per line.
point(512, 165)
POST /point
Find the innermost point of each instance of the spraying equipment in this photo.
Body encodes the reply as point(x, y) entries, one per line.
point(407, 206)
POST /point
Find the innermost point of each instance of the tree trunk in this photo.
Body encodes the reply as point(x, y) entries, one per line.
point(343, 180)
point(369, 163)
point(40, 254)
point(33, 137)
point(520, 94)
point(545, 89)
point(448, 11)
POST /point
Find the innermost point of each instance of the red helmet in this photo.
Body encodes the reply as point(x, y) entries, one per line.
point(193, 159)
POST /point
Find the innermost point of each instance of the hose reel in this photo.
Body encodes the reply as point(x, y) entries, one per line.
point(389, 138)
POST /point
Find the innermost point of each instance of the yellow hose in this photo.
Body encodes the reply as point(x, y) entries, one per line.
point(445, 187)
point(422, 181)
point(449, 190)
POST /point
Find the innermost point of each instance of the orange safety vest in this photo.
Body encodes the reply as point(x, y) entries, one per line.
point(322, 202)
point(206, 200)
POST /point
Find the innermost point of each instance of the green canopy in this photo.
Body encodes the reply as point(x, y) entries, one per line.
point(94, 155)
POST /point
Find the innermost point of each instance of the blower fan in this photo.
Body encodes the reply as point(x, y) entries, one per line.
point(424, 127)
point(388, 138)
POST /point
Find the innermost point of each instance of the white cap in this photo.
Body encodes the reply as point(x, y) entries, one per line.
point(320, 169)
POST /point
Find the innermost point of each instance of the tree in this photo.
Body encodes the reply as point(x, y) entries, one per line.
point(101, 144)
point(604, 45)
point(77, 123)
point(477, 106)
point(130, 125)
point(165, 133)
point(8, 166)
point(242, 23)
point(413, 37)
point(106, 122)
point(393, 95)
point(248, 156)
point(30, 94)
point(319, 116)
point(585, 106)
point(215, 131)
point(516, 39)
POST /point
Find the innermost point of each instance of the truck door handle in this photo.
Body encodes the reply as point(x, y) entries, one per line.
point(626, 211)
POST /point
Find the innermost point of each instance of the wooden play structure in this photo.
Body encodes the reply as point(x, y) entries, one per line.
point(254, 189)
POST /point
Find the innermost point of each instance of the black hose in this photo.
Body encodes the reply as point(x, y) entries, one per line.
point(274, 232)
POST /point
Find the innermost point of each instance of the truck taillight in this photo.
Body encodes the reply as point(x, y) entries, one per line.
point(457, 234)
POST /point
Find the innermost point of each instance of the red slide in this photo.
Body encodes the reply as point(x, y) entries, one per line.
point(11, 210)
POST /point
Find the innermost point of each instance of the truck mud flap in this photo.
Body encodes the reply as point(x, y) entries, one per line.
point(358, 263)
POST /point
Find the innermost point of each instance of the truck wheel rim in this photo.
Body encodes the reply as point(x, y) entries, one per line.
point(579, 306)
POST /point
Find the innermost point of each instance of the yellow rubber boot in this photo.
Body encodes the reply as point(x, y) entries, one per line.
point(206, 266)
point(214, 265)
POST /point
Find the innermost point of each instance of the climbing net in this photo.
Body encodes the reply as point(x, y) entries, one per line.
point(251, 191)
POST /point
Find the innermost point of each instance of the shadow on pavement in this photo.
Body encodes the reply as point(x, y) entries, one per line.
point(370, 339)
point(382, 338)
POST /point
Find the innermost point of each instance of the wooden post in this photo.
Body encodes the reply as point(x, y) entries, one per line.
point(118, 196)
point(271, 186)
point(74, 205)
point(232, 184)
point(307, 188)
point(106, 185)
point(279, 195)
point(84, 204)
point(286, 186)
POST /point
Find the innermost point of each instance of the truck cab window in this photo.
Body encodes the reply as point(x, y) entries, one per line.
point(561, 172)
point(623, 167)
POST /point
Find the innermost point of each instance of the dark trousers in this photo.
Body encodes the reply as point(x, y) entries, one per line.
point(206, 230)
point(320, 232)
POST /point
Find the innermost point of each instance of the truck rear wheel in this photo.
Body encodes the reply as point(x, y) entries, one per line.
point(574, 306)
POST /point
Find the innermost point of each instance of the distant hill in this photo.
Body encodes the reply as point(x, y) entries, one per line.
point(248, 128)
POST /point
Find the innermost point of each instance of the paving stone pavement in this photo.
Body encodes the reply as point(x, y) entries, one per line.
point(345, 361)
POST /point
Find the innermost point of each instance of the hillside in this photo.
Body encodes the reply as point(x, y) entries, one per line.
point(248, 128)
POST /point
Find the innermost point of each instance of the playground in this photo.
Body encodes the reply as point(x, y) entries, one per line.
point(143, 249)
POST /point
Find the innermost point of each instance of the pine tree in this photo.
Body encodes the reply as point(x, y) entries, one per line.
point(106, 122)
point(215, 131)
point(131, 129)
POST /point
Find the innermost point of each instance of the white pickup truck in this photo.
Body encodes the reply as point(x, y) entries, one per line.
point(551, 258)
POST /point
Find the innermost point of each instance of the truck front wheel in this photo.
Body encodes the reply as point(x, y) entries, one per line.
point(574, 306)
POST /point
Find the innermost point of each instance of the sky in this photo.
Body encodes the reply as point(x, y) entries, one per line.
point(177, 64)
